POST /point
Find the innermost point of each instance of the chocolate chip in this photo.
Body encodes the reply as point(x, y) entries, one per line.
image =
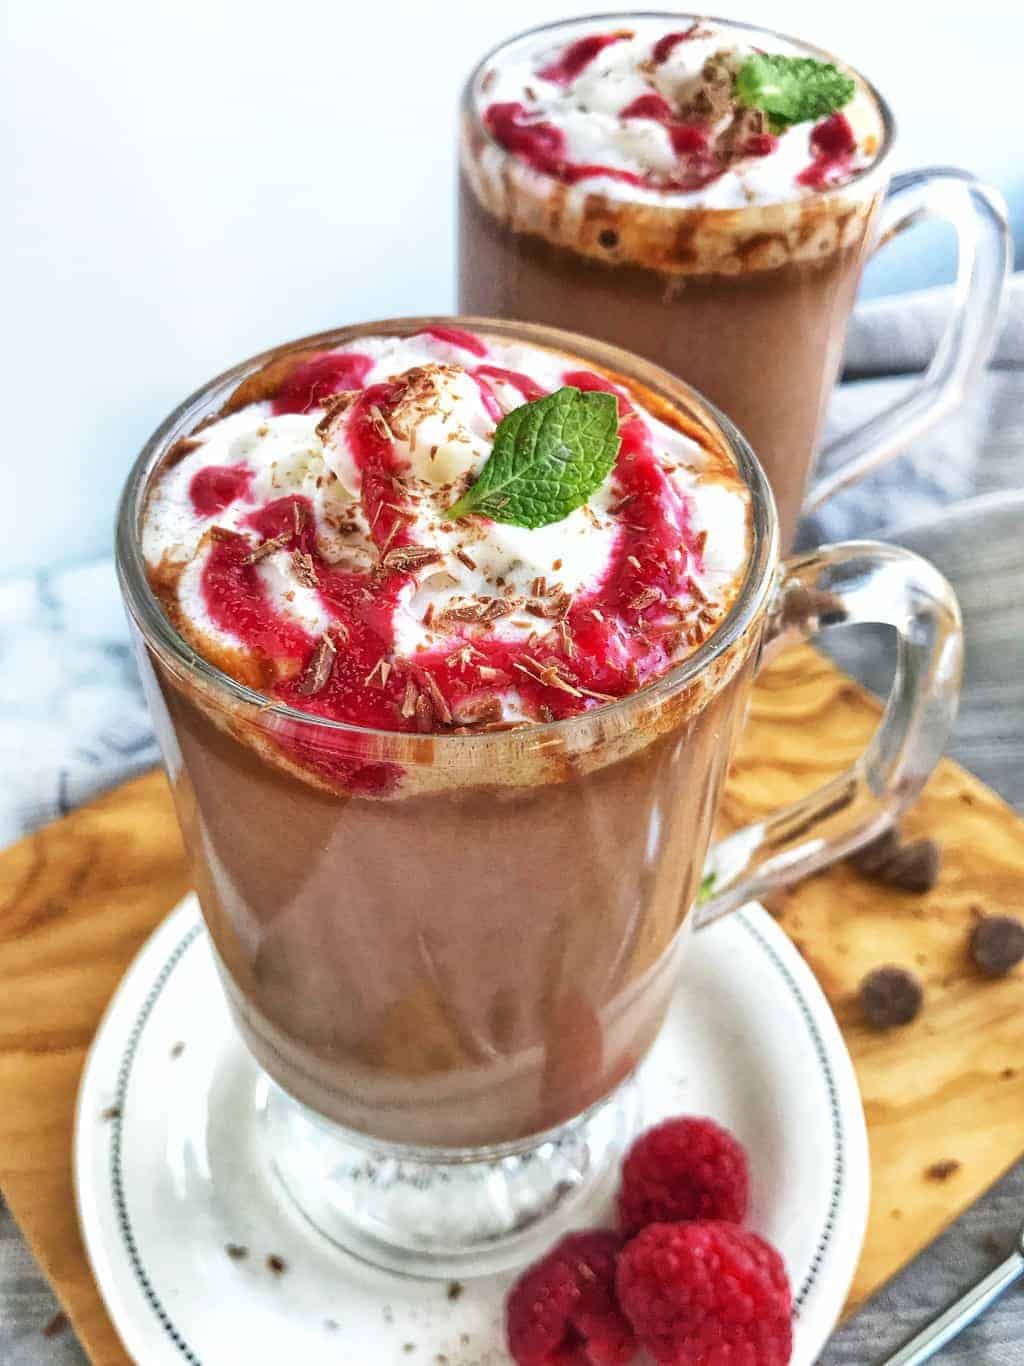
point(57, 1325)
point(608, 238)
point(454, 1289)
point(914, 867)
point(997, 944)
point(942, 1171)
point(236, 1251)
point(890, 996)
point(911, 867)
point(869, 858)
point(276, 1264)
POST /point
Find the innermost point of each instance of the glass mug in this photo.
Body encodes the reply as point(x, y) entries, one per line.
point(450, 980)
point(748, 305)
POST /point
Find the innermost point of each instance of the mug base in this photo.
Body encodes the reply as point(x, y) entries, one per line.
point(440, 1213)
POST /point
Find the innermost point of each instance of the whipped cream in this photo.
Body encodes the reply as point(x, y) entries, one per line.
point(281, 542)
point(630, 156)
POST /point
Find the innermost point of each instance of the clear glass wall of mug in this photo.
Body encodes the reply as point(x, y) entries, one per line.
point(448, 953)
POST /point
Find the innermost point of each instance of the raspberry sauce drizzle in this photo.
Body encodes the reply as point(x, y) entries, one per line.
point(833, 143)
point(528, 387)
point(666, 45)
point(457, 336)
point(578, 56)
point(310, 383)
point(215, 487)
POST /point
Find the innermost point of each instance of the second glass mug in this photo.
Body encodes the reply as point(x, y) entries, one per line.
point(748, 305)
point(450, 952)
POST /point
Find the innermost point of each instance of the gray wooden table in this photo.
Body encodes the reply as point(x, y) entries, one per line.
point(84, 726)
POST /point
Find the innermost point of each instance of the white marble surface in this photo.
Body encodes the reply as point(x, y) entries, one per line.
point(72, 722)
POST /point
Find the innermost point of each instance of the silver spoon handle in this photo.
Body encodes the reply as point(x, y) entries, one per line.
point(924, 1346)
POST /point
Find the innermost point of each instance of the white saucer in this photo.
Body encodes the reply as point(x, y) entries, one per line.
point(168, 1169)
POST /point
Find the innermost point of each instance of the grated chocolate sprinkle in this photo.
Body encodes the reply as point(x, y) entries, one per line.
point(318, 670)
point(305, 569)
point(408, 557)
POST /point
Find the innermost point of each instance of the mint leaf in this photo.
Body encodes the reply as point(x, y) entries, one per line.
point(792, 89)
point(547, 459)
point(706, 888)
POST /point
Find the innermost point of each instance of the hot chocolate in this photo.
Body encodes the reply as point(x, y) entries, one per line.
point(444, 945)
point(696, 192)
point(448, 627)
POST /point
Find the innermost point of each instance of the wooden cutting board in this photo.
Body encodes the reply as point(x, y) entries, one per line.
point(79, 897)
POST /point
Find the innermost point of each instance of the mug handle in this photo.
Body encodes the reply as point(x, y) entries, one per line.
point(856, 581)
point(984, 254)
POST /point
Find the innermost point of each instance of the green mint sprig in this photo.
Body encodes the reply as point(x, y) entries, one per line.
point(548, 457)
point(792, 89)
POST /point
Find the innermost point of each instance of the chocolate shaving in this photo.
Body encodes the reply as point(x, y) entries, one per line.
point(695, 591)
point(467, 560)
point(378, 423)
point(645, 599)
point(601, 696)
point(405, 558)
point(746, 124)
point(479, 711)
point(437, 698)
point(553, 609)
point(700, 541)
point(305, 569)
point(298, 517)
point(568, 645)
point(713, 98)
point(424, 714)
point(479, 611)
point(334, 406)
point(387, 540)
point(409, 699)
point(383, 668)
point(318, 670)
point(549, 676)
point(266, 548)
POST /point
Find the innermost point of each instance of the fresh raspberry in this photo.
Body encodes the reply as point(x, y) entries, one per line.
point(563, 1312)
point(706, 1294)
point(685, 1168)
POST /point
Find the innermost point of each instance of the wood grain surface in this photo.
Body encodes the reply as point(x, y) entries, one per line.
point(80, 896)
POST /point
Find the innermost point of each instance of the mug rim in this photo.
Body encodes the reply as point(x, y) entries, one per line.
point(159, 633)
point(875, 169)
